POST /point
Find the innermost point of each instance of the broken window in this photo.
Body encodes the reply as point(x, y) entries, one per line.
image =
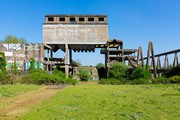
point(62, 19)
point(101, 19)
point(72, 19)
point(90, 19)
point(81, 19)
point(50, 19)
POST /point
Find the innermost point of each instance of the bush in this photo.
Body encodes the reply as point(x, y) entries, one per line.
point(71, 81)
point(39, 76)
point(110, 81)
point(2, 62)
point(175, 79)
point(5, 78)
point(59, 73)
point(140, 73)
point(118, 70)
point(100, 65)
point(140, 81)
point(84, 75)
point(32, 67)
point(160, 80)
point(173, 71)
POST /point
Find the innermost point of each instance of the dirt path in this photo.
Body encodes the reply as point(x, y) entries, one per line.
point(12, 107)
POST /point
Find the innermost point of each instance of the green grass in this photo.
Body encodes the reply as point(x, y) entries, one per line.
point(101, 102)
point(11, 90)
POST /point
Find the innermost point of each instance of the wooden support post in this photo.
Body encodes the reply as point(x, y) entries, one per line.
point(66, 60)
point(148, 56)
point(175, 63)
point(166, 62)
point(140, 59)
point(151, 51)
point(158, 63)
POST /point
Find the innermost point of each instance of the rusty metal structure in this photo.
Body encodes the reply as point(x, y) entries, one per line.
point(155, 60)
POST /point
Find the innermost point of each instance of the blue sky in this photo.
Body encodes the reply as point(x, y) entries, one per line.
point(136, 22)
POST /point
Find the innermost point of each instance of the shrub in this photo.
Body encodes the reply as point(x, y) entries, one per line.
point(110, 81)
point(39, 76)
point(160, 80)
point(118, 70)
point(100, 65)
point(140, 73)
point(32, 67)
point(173, 71)
point(140, 81)
point(71, 81)
point(2, 62)
point(59, 73)
point(84, 75)
point(5, 78)
point(175, 79)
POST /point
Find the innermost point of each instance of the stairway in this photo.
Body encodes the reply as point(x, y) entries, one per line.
point(132, 62)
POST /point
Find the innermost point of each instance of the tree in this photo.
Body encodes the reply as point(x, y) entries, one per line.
point(100, 65)
point(2, 62)
point(140, 72)
point(76, 63)
point(13, 39)
point(118, 70)
point(32, 67)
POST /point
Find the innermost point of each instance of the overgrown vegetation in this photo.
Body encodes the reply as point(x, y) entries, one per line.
point(140, 73)
point(118, 71)
point(35, 76)
point(2, 62)
point(32, 67)
point(108, 102)
point(118, 74)
point(84, 75)
point(39, 76)
point(173, 71)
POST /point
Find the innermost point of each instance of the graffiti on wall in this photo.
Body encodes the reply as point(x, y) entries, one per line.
point(12, 46)
point(32, 47)
point(23, 66)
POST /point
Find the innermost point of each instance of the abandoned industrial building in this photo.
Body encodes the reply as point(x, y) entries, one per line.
point(68, 33)
point(78, 33)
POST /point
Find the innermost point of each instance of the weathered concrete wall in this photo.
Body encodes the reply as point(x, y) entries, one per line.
point(75, 32)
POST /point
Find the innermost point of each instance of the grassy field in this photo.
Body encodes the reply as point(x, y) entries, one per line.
point(95, 102)
point(7, 91)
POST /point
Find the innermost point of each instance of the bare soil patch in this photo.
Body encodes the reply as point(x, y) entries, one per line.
point(14, 106)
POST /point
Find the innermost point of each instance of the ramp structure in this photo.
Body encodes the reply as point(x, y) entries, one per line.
point(74, 32)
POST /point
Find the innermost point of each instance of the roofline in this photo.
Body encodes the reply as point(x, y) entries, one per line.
point(74, 15)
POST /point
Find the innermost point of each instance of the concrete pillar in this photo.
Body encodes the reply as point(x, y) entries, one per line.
point(66, 60)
